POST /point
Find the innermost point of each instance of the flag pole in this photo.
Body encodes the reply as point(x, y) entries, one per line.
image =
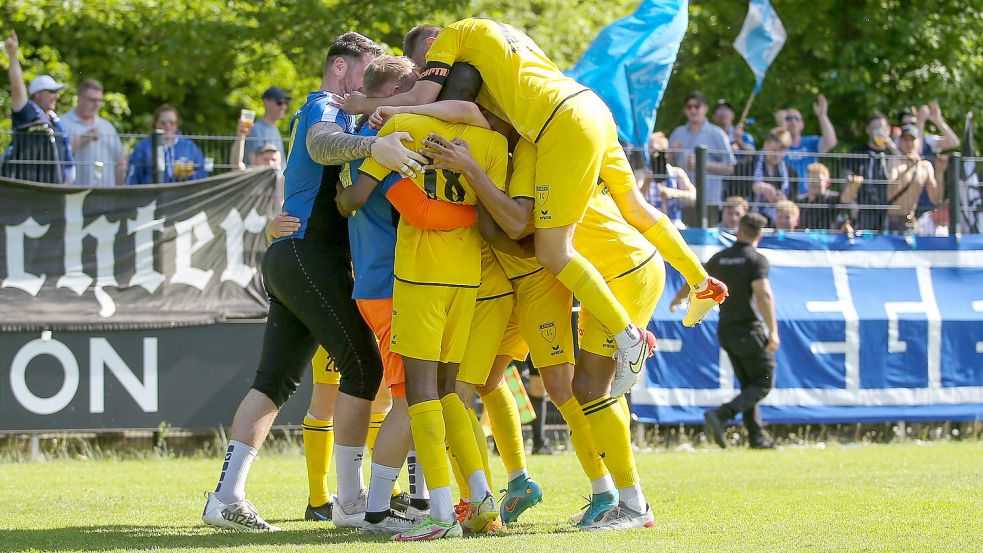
point(747, 107)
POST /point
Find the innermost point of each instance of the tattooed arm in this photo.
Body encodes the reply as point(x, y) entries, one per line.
point(329, 144)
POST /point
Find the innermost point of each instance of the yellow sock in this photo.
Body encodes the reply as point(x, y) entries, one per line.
point(479, 436)
point(666, 238)
point(581, 278)
point(318, 443)
point(611, 434)
point(583, 440)
point(460, 437)
point(504, 414)
point(375, 423)
point(427, 426)
point(463, 488)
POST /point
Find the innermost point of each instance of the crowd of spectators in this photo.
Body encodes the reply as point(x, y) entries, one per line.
point(81, 148)
point(892, 182)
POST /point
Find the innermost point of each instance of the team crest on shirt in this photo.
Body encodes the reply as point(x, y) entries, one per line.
point(548, 331)
point(542, 193)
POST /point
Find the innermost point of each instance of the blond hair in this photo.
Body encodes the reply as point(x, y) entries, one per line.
point(788, 207)
point(386, 70)
point(781, 136)
point(820, 170)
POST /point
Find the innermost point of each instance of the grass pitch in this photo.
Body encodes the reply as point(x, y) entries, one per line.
point(868, 498)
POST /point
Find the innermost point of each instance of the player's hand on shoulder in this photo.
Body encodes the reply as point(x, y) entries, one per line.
point(381, 115)
point(353, 102)
point(453, 155)
point(390, 152)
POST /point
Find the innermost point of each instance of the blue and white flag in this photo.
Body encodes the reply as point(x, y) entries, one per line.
point(629, 63)
point(761, 38)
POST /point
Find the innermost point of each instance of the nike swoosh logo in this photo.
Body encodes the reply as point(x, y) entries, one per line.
point(706, 294)
point(636, 365)
point(511, 504)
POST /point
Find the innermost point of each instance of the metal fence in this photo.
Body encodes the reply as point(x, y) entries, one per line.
point(35, 156)
point(863, 192)
point(870, 192)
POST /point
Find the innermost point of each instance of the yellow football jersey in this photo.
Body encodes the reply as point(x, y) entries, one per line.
point(494, 282)
point(520, 185)
point(603, 236)
point(443, 257)
point(519, 78)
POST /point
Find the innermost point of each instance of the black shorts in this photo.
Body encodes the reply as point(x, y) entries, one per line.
point(310, 289)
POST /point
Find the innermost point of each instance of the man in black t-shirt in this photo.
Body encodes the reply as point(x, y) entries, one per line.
point(748, 331)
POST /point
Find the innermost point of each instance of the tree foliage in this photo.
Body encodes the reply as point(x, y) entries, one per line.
point(212, 57)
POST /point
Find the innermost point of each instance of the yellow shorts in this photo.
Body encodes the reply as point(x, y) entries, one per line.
point(485, 342)
point(431, 323)
point(512, 343)
point(325, 371)
point(638, 292)
point(543, 304)
point(578, 147)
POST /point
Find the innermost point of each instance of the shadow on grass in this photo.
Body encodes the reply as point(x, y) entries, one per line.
point(97, 538)
point(90, 538)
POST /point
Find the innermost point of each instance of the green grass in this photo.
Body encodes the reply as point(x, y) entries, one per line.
point(867, 498)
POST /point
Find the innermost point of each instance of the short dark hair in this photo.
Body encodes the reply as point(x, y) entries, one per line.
point(351, 45)
point(698, 96)
point(875, 116)
point(751, 225)
point(903, 114)
point(415, 37)
point(166, 107)
point(89, 84)
point(463, 83)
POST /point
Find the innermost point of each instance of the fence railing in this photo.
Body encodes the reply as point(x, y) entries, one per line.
point(873, 192)
point(863, 192)
point(36, 156)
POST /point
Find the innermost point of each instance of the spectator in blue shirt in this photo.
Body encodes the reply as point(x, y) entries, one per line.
point(182, 159)
point(802, 153)
point(39, 135)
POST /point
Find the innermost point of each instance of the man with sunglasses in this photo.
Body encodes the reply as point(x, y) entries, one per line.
point(699, 132)
point(802, 153)
point(265, 131)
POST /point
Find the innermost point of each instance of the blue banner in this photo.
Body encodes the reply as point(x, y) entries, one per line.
point(760, 39)
point(879, 328)
point(629, 63)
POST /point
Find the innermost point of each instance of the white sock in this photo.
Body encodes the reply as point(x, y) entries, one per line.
point(235, 469)
point(441, 506)
point(517, 473)
point(628, 337)
point(381, 487)
point(632, 497)
point(418, 484)
point(348, 460)
point(479, 486)
point(602, 484)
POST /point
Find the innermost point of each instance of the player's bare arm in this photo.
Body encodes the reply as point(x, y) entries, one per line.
point(423, 92)
point(453, 111)
point(511, 214)
point(355, 196)
point(329, 144)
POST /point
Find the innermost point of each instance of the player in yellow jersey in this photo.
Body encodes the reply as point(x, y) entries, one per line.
point(542, 304)
point(577, 144)
point(437, 278)
point(630, 264)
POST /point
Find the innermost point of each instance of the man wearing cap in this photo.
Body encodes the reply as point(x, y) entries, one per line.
point(723, 117)
point(35, 113)
point(265, 131)
point(908, 179)
point(700, 132)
